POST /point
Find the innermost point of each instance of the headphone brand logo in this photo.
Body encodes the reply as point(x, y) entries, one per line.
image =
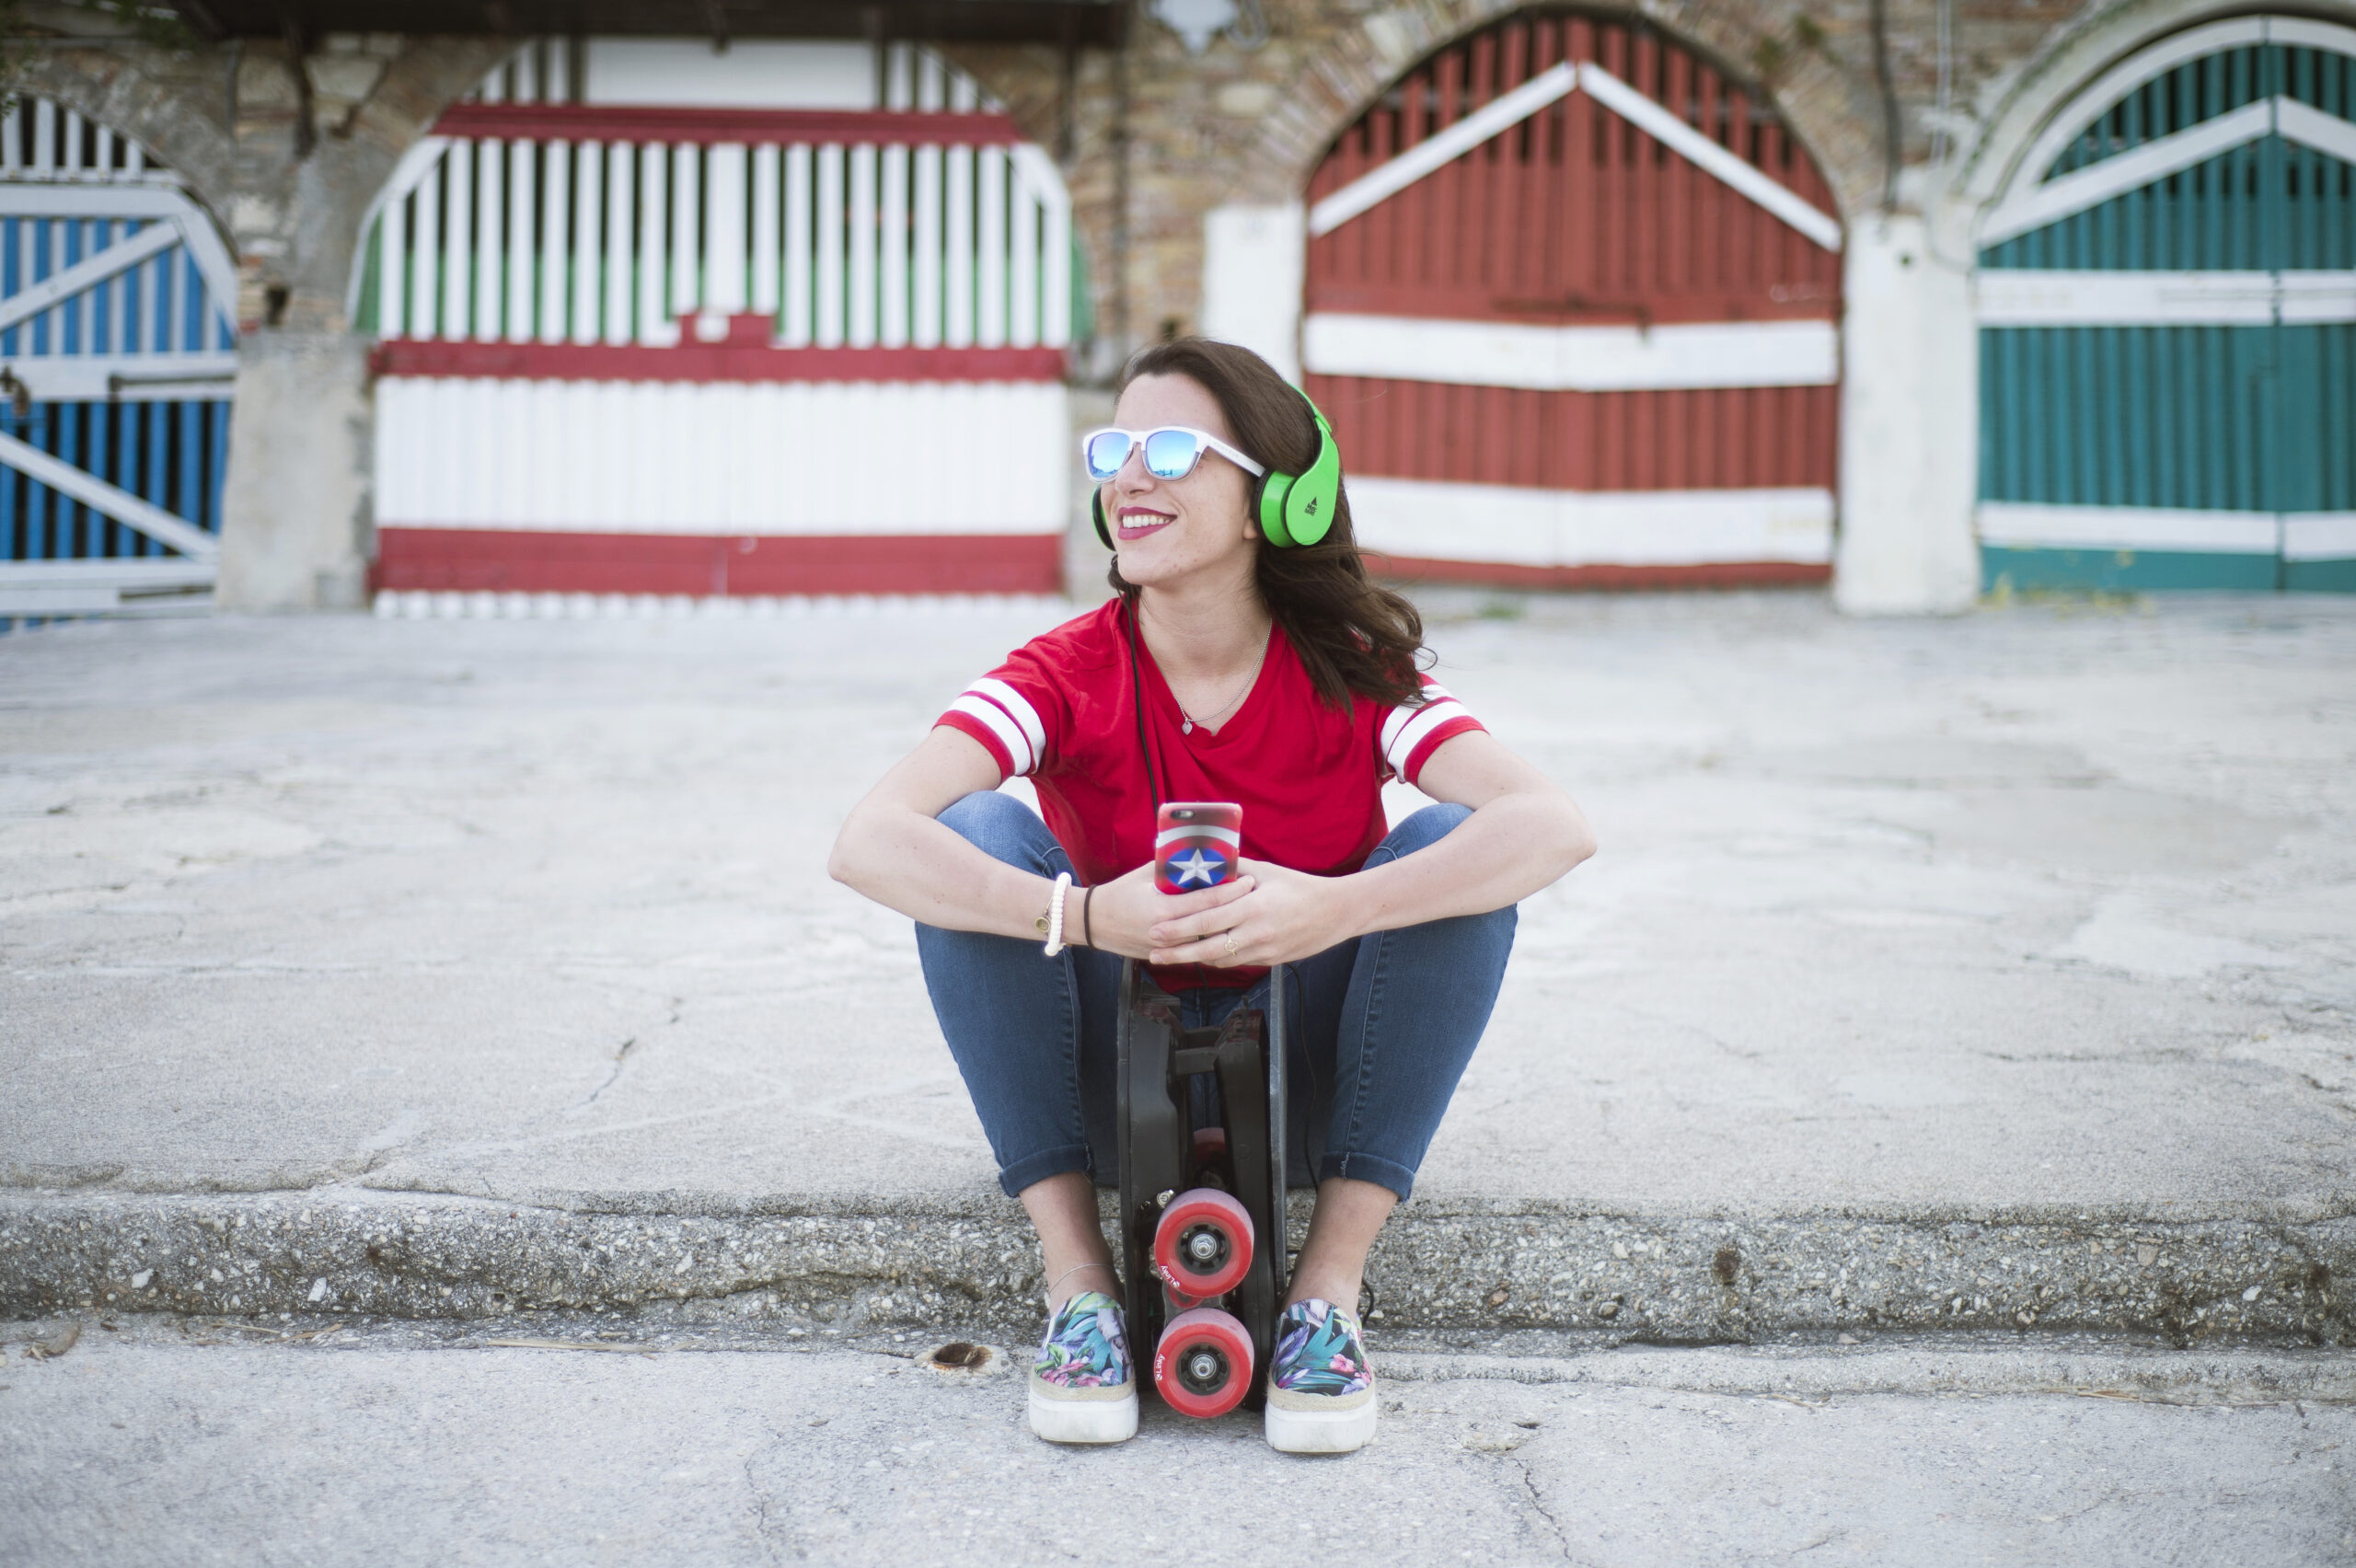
point(1310, 509)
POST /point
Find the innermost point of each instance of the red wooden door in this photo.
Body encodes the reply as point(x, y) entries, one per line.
point(1597, 346)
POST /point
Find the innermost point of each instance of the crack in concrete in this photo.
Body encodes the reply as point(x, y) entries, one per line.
point(1530, 1490)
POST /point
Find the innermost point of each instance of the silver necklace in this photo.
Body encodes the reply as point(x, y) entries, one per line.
point(1187, 728)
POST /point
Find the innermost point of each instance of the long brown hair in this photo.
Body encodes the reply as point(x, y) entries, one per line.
point(1354, 637)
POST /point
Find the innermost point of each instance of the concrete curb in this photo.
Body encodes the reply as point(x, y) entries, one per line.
point(1626, 1277)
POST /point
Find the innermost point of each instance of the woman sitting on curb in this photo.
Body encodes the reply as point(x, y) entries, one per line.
point(1278, 678)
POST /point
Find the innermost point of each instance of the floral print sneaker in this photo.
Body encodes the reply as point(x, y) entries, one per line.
point(1320, 1391)
point(1083, 1388)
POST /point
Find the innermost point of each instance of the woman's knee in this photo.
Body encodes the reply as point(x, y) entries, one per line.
point(999, 827)
point(1425, 828)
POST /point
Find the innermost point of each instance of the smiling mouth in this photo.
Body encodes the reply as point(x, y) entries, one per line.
point(1137, 523)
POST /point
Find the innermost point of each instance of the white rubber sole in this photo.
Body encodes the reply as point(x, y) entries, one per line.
point(1319, 1431)
point(1084, 1420)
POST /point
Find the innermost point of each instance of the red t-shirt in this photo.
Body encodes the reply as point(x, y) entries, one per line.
point(1309, 776)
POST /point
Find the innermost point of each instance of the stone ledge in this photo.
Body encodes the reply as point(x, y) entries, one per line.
point(1626, 1277)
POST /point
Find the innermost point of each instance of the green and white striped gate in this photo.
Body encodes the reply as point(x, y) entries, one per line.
point(2167, 315)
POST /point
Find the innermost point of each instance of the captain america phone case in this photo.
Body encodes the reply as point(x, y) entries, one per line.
point(1197, 843)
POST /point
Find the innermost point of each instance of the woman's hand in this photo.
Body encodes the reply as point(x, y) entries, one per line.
point(1122, 911)
point(1283, 916)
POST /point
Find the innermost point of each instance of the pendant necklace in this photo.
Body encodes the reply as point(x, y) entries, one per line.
point(1187, 726)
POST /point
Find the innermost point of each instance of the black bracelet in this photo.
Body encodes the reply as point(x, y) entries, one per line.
point(1087, 932)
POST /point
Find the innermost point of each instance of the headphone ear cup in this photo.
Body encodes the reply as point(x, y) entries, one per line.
point(1096, 515)
point(1273, 489)
point(1311, 500)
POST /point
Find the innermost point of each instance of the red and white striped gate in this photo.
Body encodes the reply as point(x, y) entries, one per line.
point(711, 349)
point(1572, 308)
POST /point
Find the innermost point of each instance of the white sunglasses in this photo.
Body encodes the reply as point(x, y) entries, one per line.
point(1171, 453)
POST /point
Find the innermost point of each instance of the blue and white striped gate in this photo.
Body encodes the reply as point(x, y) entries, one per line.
point(2167, 312)
point(116, 355)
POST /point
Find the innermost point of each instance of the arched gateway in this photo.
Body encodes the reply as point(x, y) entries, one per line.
point(2167, 313)
point(1571, 307)
point(655, 320)
point(117, 357)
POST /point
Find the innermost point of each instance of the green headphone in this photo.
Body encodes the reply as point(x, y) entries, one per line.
point(1293, 509)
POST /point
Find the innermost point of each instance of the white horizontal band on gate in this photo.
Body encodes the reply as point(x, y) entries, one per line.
point(724, 457)
point(2319, 535)
point(127, 379)
point(2012, 524)
point(2026, 298)
point(1573, 358)
point(1430, 520)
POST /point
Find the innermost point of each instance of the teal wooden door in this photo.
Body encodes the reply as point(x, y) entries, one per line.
point(2167, 308)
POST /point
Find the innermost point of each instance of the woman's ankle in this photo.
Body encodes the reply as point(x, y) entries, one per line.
point(1076, 1278)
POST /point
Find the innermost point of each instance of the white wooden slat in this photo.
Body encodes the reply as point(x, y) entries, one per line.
point(893, 240)
point(556, 233)
point(1388, 179)
point(425, 274)
point(989, 248)
point(899, 78)
point(134, 160)
point(860, 332)
point(490, 204)
point(589, 236)
point(103, 158)
point(70, 144)
point(2029, 526)
point(12, 142)
point(151, 283)
point(44, 139)
point(133, 377)
point(94, 238)
point(127, 572)
point(1526, 527)
point(458, 234)
point(812, 457)
point(523, 169)
point(528, 74)
point(1742, 178)
point(924, 285)
point(1054, 246)
point(1023, 268)
point(392, 271)
point(723, 231)
point(2106, 90)
point(653, 205)
point(2058, 197)
point(117, 338)
point(957, 321)
point(621, 169)
point(52, 321)
point(122, 254)
point(1573, 358)
point(965, 93)
point(765, 240)
point(164, 527)
point(2311, 127)
point(798, 328)
point(828, 246)
point(933, 88)
point(687, 227)
point(2318, 535)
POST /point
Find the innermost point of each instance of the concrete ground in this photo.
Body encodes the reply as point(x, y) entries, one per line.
point(169, 1444)
point(1991, 970)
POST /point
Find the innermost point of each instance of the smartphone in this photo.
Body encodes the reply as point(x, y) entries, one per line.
point(1196, 844)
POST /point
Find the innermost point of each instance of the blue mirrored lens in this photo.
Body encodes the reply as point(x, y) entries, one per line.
point(1107, 450)
point(1171, 454)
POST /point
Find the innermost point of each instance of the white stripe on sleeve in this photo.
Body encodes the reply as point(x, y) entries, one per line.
point(998, 724)
point(1018, 707)
point(1423, 721)
point(1433, 692)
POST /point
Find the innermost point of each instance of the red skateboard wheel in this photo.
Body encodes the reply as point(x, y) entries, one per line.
point(1202, 1248)
point(1203, 1366)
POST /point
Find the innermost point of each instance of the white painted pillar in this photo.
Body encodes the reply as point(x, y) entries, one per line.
point(1910, 399)
point(1253, 261)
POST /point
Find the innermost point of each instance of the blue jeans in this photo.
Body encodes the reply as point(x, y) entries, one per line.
point(1380, 1026)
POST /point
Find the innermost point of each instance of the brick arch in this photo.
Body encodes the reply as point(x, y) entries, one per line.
point(2072, 58)
point(1835, 117)
point(181, 115)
